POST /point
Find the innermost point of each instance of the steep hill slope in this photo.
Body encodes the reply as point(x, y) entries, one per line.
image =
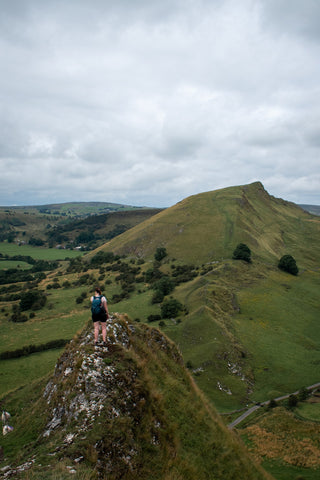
point(126, 411)
point(208, 226)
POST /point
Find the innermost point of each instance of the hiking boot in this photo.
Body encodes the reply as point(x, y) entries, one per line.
point(104, 344)
point(96, 344)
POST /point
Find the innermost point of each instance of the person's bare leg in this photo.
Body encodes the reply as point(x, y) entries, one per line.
point(96, 331)
point(104, 331)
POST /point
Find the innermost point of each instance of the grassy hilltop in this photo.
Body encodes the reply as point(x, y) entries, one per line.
point(208, 226)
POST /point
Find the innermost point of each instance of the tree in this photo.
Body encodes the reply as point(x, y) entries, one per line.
point(170, 308)
point(161, 252)
point(272, 403)
point(165, 285)
point(242, 252)
point(303, 394)
point(157, 297)
point(34, 299)
point(288, 264)
point(292, 401)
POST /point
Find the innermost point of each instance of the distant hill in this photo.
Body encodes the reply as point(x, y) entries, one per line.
point(85, 224)
point(74, 209)
point(314, 209)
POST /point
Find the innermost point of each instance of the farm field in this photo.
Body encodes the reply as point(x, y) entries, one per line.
point(38, 253)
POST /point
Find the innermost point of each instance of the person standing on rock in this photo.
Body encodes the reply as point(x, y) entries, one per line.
point(100, 314)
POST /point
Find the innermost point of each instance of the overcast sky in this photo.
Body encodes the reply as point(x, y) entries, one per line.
point(146, 102)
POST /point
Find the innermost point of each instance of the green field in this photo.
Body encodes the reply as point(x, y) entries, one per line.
point(15, 372)
point(309, 411)
point(6, 264)
point(38, 253)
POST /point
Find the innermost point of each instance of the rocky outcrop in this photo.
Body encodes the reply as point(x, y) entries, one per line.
point(128, 410)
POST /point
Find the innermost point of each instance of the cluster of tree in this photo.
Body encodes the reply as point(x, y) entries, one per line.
point(293, 399)
point(29, 300)
point(87, 228)
point(286, 263)
point(29, 349)
point(170, 308)
point(36, 273)
point(127, 278)
point(102, 258)
point(14, 275)
point(7, 231)
point(183, 273)
point(32, 299)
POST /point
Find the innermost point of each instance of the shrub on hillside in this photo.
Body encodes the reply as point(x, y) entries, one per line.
point(154, 318)
point(164, 285)
point(184, 273)
point(288, 264)
point(157, 297)
point(18, 317)
point(171, 308)
point(103, 257)
point(32, 299)
point(160, 254)
point(292, 401)
point(303, 394)
point(242, 252)
point(272, 403)
point(152, 274)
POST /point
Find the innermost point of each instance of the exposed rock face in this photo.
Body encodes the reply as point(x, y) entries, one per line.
point(84, 383)
point(90, 388)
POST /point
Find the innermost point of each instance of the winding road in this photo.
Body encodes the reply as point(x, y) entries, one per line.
point(263, 404)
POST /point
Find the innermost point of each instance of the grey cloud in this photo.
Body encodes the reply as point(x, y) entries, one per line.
point(293, 17)
point(159, 96)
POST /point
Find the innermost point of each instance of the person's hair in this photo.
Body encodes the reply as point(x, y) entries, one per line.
point(97, 289)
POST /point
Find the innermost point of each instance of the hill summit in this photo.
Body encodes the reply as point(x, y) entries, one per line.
point(129, 410)
point(208, 226)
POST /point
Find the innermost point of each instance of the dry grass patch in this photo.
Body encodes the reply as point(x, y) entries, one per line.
point(281, 436)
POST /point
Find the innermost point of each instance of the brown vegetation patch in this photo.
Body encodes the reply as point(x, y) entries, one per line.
point(282, 436)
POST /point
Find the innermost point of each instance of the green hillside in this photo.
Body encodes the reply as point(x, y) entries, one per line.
point(208, 226)
point(127, 411)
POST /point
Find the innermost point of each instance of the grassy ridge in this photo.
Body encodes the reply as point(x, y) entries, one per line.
point(208, 226)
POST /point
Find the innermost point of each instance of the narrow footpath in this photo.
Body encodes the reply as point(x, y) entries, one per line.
point(263, 404)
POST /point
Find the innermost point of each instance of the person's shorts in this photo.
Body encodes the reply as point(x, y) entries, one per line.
point(99, 317)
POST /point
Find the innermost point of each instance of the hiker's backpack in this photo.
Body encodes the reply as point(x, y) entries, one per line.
point(96, 305)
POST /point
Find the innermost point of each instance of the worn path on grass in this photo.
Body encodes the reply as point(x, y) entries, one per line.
point(263, 404)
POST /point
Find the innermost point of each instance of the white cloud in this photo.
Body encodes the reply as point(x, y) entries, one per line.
point(161, 99)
